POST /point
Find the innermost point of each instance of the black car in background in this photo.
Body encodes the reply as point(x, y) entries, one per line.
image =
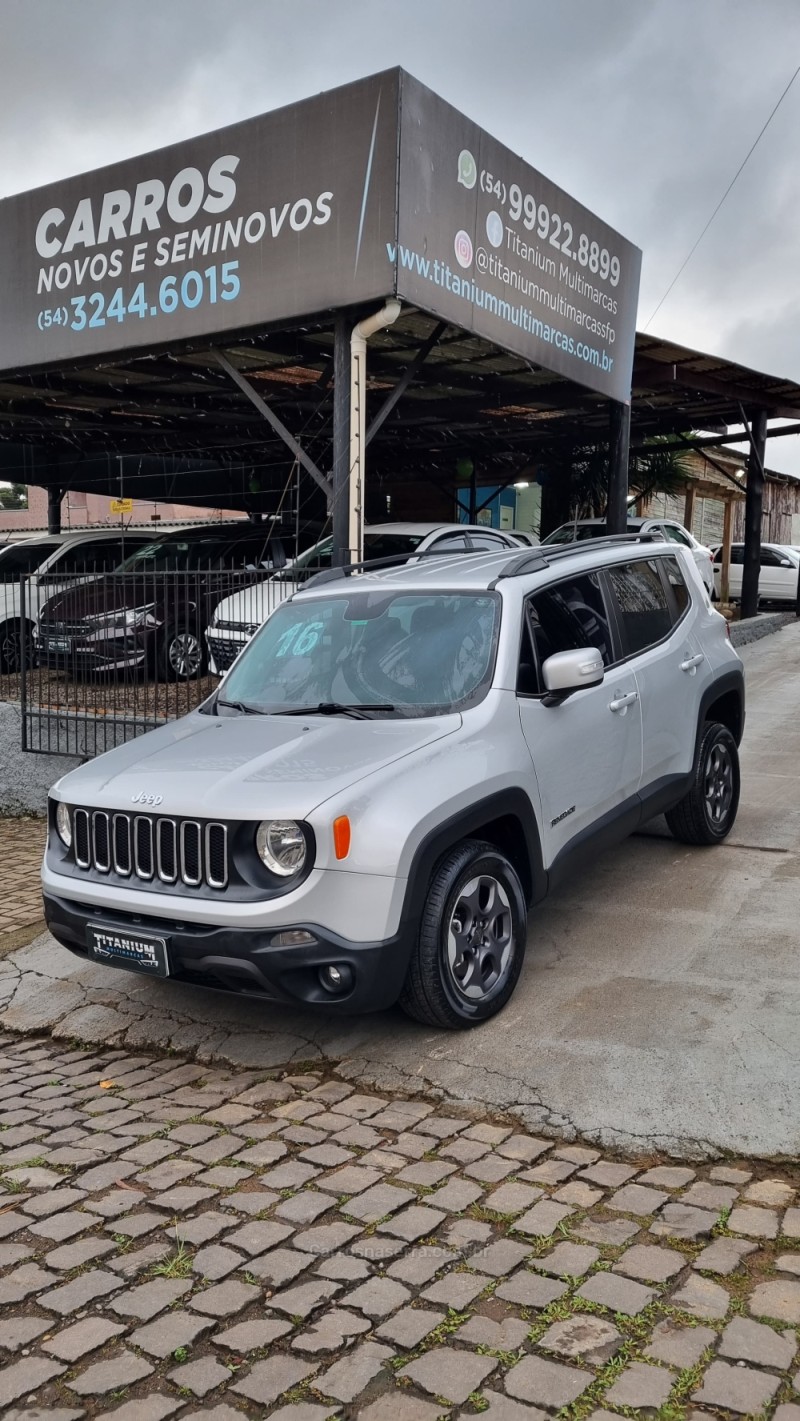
point(152, 611)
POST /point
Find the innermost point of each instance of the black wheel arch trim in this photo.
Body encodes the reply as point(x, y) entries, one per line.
point(729, 682)
point(472, 822)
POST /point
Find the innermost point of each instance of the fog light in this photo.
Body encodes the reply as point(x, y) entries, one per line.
point(336, 979)
point(296, 937)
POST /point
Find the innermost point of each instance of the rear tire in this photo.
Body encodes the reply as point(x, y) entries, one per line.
point(707, 813)
point(471, 944)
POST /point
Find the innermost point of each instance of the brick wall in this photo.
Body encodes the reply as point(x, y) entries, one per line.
point(92, 510)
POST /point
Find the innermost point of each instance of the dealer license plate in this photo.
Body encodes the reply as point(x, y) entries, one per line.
point(138, 952)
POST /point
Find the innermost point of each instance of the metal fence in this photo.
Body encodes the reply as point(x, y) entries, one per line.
point(95, 658)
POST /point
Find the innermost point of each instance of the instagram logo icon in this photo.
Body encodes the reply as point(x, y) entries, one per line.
point(463, 248)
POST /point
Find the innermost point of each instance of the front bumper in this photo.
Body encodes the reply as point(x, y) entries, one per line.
point(246, 961)
point(85, 654)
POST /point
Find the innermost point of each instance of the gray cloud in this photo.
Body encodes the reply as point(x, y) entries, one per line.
point(642, 110)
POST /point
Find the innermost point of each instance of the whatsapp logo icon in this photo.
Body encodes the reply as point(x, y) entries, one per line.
point(467, 169)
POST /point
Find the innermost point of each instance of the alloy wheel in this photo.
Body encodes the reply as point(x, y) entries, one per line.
point(185, 655)
point(718, 784)
point(10, 651)
point(480, 937)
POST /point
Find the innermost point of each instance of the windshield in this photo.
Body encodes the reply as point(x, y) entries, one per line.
point(376, 545)
point(22, 557)
point(417, 654)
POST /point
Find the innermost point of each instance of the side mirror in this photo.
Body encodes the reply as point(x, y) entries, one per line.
point(786, 562)
point(570, 671)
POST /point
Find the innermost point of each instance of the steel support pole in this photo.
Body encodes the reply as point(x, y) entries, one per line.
point(619, 438)
point(54, 497)
point(725, 565)
point(340, 503)
point(751, 567)
point(688, 506)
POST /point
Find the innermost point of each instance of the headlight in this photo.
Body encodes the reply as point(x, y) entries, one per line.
point(64, 824)
point(124, 618)
point(281, 846)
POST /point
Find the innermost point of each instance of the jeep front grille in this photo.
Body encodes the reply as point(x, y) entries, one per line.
point(147, 847)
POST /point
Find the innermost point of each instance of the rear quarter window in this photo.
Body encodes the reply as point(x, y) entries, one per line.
point(677, 584)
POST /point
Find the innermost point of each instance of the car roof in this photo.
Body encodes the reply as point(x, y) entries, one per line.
point(739, 543)
point(601, 522)
point(74, 535)
point(240, 528)
point(480, 571)
point(439, 527)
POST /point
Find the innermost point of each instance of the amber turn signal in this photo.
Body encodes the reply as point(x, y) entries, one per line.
point(341, 836)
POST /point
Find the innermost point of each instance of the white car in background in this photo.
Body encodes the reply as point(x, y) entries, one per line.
point(239, 616)
point(581, 528)
point(51, 563)
point(777, 580)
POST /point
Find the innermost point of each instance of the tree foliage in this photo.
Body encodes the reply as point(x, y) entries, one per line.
point(658, 467)
point(13, 496)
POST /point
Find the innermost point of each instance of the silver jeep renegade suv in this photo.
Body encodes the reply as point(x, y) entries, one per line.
point(400, 764)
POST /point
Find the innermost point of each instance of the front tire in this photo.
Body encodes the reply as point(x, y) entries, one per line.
point(11, 646)
point(182, 654)
point(707, 813)
point(471, 944)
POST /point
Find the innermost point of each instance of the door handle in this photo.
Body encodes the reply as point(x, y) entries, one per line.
point(621, 703)
point(691, 663)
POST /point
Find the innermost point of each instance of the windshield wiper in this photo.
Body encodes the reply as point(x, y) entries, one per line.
point(334, 708)
point(241, 706)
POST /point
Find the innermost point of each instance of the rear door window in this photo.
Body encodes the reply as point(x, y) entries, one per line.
point(642, 608)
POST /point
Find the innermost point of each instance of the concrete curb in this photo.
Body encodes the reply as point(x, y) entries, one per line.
point(754, 628)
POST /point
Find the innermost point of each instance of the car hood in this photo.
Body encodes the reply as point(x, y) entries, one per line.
point(247, 767)
point(252, 605)
point(97, 596)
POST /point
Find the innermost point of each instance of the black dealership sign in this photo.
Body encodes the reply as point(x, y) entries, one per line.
point(374, 189)
point(280, 216)
point(496, 248)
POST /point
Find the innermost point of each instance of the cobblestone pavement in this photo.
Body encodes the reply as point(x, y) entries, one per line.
point(177, 1240)
point(21, 849)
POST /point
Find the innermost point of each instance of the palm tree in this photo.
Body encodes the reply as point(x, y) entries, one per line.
point(657, 467)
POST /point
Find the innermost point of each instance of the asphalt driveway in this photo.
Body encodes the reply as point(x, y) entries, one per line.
point(659, 1007)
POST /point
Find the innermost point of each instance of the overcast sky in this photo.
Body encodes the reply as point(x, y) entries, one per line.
point(642, 109)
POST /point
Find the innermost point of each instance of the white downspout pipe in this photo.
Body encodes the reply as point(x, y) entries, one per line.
point(386, 316)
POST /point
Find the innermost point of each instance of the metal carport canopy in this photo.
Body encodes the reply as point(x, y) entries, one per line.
point(199, 439)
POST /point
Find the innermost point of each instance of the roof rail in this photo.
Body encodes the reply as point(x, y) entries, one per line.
point(541, 557)
point(529, 560)
point(334, 574)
